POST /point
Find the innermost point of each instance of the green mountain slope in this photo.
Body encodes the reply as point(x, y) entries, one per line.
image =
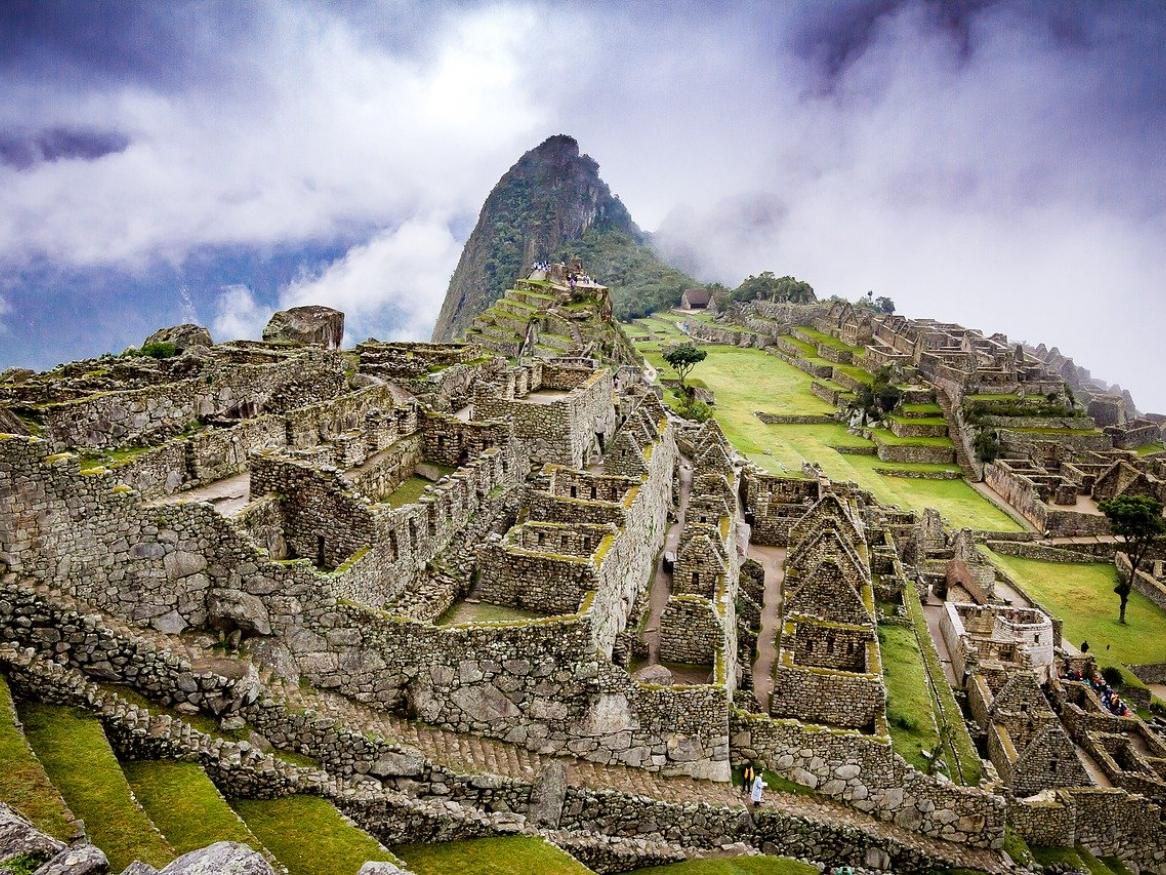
point(552, 204)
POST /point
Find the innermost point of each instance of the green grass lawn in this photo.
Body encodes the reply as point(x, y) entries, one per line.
point(408, 492)
point(1079, 858)
point(909, 712)
point(732, 866)
point(828, 339)
point(184, 803)
point(1081, 595)
point(490, 856)
point(23, 782)
point(883, 436)
point(80, 762)
point(925, 407)
point(1151, 449)
point(787, 446)
point(748, 380)
point(309, 836)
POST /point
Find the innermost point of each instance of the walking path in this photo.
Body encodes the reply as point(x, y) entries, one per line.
point(229, 495)
point(772, 559)
point(661, 586)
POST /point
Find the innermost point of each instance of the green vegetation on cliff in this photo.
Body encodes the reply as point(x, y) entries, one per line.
point(552, 205)
point(640, 282)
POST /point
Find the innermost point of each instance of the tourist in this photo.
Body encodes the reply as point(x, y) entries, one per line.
point(1084, 646)
point(747, 775)
point(758, 786)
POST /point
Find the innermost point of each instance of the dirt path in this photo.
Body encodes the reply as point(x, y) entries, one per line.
point(772, 559)
point(228, 495)
point(662, 582)
point(933, 612)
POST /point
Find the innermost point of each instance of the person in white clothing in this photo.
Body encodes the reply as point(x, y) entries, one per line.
point(758, 786)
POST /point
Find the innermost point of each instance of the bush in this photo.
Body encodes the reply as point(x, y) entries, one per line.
point(987, 445)
point(1112, 675)
point(163, 350)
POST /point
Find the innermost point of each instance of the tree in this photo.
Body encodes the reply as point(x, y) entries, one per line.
point(1138, 521)
point(884, 304)
point(767, 287)
point(880, 397)
point(683, 358)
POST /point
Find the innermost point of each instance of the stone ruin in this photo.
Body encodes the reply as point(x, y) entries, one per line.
point(530, 558)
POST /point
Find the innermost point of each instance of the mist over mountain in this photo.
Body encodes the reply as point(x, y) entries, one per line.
point(552, 204)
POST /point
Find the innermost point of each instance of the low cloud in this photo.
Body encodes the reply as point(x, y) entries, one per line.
point(391, 286)
point(238, 316)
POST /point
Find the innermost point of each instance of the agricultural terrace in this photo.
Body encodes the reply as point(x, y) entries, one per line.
point(747, 380)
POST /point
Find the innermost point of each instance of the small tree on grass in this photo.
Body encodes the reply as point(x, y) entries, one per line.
point(683, 358)
point(1138, 521)
point(879, 397)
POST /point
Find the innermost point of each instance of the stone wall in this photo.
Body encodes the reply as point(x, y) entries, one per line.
point(690, 631)
point(863, 771)
point(563, 430)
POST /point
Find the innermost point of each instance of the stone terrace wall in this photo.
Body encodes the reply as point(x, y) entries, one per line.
point(864, 771)
point(116, 418)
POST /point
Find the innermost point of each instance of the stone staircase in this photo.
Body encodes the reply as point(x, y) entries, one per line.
point(472, 755)
point(963, 453)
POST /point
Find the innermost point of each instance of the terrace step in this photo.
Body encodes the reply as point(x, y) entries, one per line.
point(82, 765)
point(467, 754)
point(187, 807)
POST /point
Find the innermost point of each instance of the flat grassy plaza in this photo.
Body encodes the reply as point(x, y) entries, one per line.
point(1081, 595)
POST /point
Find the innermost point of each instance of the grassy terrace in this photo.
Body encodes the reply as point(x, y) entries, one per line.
point(929, 407)
point(408, 492)
point(186, 806)
point(1081, 594)
point(23, 782)
point(749, 380)
point(81, 764)
point(490, 856)
point(732, 866)
point(1151, 449)
point(309, 836)
point(883, 436)
point(828, 340)
point(909, 714)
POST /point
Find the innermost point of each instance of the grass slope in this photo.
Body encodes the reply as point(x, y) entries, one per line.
point(184, 803)
point(80, 762)
point(309, 836)
point(490, 856)
point(23, 782)
point(748, 380)
point(909, 713)
point(1081, 595)
point(732, 866)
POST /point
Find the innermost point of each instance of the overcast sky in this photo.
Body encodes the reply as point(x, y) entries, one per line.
point(998, 164)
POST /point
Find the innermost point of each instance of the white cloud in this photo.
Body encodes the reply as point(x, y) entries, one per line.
point(392, 286)
point(238, 316)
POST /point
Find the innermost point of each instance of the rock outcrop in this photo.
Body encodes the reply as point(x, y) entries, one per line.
point(552, 205)
point(221, 858)
point(185, 336)
point(313, 325)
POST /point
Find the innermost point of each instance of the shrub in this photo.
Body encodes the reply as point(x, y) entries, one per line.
point(987, 445)
point(1112, 675)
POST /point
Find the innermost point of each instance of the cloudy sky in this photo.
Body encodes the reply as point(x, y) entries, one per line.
point(994, 163)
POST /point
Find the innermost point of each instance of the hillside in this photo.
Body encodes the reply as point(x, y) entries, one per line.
point(552, 204)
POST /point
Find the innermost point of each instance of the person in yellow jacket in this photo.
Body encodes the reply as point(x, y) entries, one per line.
point(747, 775)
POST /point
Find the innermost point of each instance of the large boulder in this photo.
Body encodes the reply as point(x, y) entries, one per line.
point(185, 336)
point(221, 858)
point(315, 325)
point(231, 609)
point(83, 859)
point(18, 838)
